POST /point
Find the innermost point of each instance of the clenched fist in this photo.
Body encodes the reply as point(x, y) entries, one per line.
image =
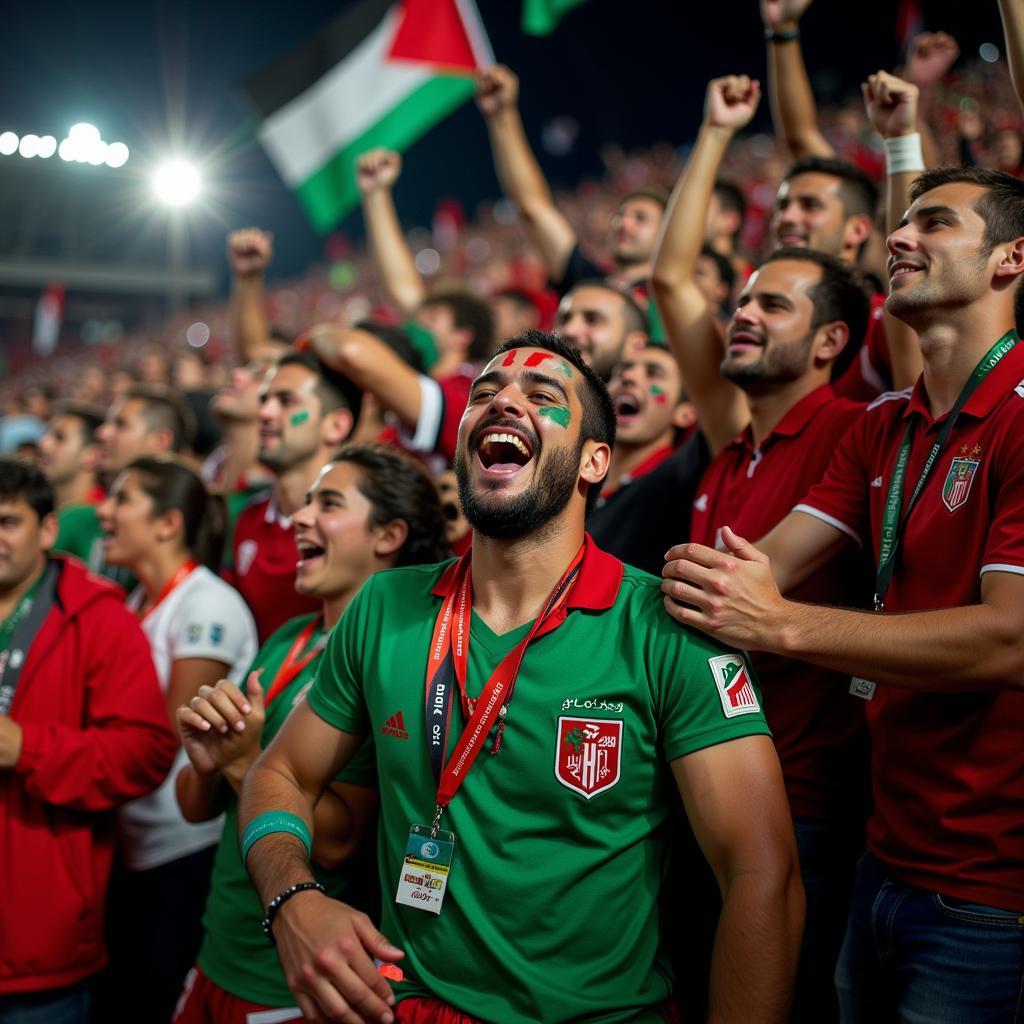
point(497, 88)
point(378, 169)
point(250, 251)
point(731, 101)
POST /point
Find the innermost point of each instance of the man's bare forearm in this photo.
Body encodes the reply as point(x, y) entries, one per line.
point(249, 325)
point(758, 941)
point(394, 260)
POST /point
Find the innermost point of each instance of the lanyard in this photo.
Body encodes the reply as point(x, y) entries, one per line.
point(183, 571)
point(30, 620)
point(293, 664)
point(892, 524)
point(447, 665)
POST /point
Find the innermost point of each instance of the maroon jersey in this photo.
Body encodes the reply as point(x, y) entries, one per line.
point(948, 768)
point(813, 717)
point(262, 567)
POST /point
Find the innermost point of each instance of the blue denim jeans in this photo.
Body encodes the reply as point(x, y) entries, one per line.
point(917, 957)
point(64, 1006)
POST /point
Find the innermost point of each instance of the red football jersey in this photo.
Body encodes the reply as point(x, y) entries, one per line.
point(263, 567)
point(870, 373)
point(813, 717)
point(948, 768)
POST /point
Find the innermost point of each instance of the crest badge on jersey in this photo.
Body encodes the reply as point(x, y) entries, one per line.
point(246, 556)
point(588, 754)
point(958, 482)
point(735, 689)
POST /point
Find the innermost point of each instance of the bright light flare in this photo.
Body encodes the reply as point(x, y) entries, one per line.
point(47, 147)
point(29, 146)
point(176, 183)
point(117, 154)
point(8, 144)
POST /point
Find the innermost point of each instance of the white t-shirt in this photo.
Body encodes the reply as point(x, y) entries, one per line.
point(202, 617)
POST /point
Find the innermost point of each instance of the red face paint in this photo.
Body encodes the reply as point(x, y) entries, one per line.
point(510, 357)
point(658, 394)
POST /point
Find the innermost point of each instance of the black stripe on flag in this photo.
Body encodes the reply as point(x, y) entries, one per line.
point(279, 83)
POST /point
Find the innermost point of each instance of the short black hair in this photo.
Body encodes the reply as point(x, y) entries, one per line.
point(90, 417)
point(726, 271)
point(20, 478)
point(730, 197)
point(635, 317)
point(1001, 207)
point(469, 312)
point(598, 422)
point(652, 192)
point(333, 389)
point(165, 409)
point(842, 294)
point(399, 487)
point(857, 191)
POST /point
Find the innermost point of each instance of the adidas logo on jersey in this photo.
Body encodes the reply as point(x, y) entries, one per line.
point(877, 482)
point(395, 726)
point(701, 504)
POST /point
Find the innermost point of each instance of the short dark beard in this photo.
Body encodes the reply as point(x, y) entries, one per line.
point(527, 512)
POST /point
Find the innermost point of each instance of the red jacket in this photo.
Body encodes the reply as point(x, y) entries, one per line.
point(95, 734)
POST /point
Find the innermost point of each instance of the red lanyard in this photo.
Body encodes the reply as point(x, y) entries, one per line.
point(177, 578)
point(293, 664)
point(448, 663)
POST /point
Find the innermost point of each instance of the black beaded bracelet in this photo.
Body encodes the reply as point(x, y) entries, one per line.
point(280, 900)
point(781, 37)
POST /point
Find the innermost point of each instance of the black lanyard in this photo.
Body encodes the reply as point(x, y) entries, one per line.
point(12, 661)
point(893, 524)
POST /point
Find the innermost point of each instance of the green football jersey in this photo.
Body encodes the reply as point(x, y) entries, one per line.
point(235, 953)
point(79, 534)
point(551, 911)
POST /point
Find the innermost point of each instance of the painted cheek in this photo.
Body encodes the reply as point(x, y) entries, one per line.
point(298, 418)
point(558, 414)
point(658, 394)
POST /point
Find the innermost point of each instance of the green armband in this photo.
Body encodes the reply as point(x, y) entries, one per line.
point(271, 822)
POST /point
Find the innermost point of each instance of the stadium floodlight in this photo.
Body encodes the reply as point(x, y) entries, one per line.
point(47, 147)
point(29, 146)
point(176, 183)
point(8, 144)
point(117, 154)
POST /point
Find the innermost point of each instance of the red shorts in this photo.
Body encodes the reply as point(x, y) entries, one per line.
point(433, 1011)
point(204, 1002)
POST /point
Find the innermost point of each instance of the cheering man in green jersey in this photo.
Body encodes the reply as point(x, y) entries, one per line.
point(526, 703)
point(370, 508)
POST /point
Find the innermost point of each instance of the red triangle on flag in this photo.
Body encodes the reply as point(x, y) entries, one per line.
point(434, 32)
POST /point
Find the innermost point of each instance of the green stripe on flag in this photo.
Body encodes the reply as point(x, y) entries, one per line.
point(331, 192)
point(541, 17)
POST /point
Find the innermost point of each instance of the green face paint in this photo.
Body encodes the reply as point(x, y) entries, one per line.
point(564, 369)
point(559, 413)
point(299, 418)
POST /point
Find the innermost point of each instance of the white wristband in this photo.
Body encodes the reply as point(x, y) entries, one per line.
point(903, 154)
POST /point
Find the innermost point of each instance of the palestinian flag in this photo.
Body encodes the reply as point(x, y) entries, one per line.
point(381, 74)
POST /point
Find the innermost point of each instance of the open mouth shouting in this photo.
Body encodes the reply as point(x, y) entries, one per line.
point(503, 451)
point(309, 553)
point(627, 407)
point(742, 340)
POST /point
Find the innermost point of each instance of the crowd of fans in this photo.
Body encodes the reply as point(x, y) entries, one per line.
point(182, 529)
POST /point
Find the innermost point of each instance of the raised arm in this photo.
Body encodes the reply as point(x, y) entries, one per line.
point(1012, 13)
point(793, 109)
point(326, 947)
point(892, 110)
point(518, 171)
point(372, 366)
point(376, 174)
point(930, 56)
point(736, 803)
point(691, 327)
point(249, 253)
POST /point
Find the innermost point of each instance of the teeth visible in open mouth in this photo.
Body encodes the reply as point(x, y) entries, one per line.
point(506, 439)
point(626, 405)
point(308, 550)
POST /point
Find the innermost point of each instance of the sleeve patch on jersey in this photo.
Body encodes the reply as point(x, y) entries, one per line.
point(732, 681)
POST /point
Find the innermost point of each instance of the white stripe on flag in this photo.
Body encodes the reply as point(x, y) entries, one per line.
point(305, 133)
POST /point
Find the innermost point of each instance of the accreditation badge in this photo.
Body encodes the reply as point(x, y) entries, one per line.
point(424, 875)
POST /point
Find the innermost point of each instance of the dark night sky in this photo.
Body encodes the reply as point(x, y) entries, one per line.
point(154, 73)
